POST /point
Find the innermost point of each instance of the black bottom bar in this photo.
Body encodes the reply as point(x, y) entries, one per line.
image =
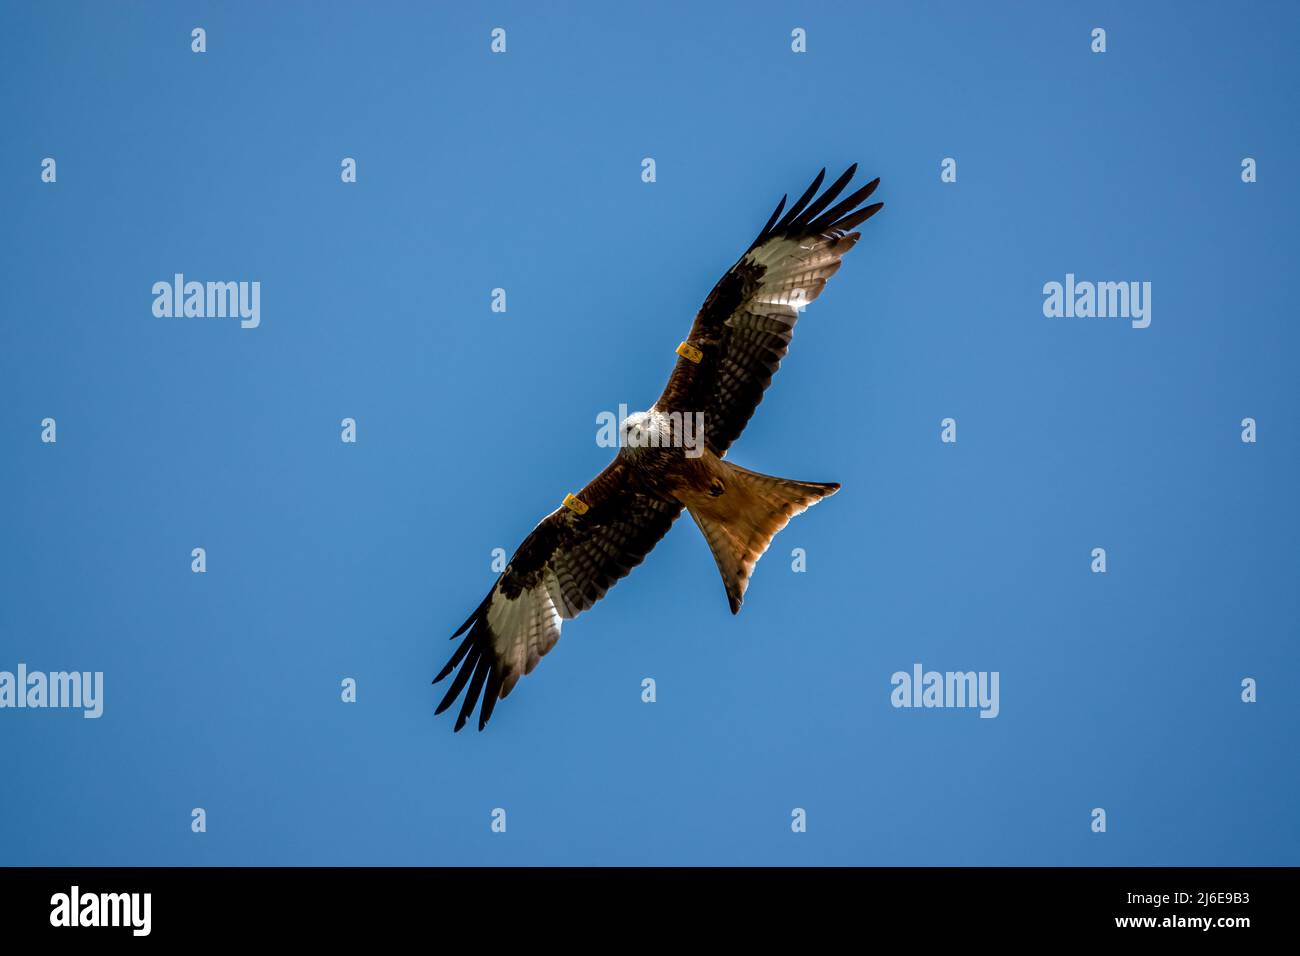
point(238, 904)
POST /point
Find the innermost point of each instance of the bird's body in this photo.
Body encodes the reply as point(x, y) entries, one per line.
point(737, 510)
point(671, 457)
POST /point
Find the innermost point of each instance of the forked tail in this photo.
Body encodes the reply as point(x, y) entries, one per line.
point(741, 514)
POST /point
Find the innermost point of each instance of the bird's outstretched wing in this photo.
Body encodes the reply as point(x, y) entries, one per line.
point(744, 328)
point(564, 566)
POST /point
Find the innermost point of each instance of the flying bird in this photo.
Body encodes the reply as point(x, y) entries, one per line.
point(736, 343)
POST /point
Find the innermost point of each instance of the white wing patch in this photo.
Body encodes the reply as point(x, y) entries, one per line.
point(524, 628)
point(796, 270)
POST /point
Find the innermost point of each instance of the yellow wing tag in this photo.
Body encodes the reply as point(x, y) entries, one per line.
point(575, 504)
point(689, 352)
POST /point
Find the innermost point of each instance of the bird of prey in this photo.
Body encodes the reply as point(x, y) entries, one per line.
point(578, 551)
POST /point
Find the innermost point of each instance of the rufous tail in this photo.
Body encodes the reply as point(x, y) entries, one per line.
point(741, 513)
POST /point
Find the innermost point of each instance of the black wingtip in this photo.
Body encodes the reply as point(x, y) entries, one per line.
point(465, 647)
point(794, 211)
point(829, 194)
point(491, 694)
point(477, 672)
point(843, 214)
point(481, 668)
point(762, 233)
point(470, 653)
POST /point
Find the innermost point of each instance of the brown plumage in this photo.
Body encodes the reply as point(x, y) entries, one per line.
point(736, 343)
point(740, 518)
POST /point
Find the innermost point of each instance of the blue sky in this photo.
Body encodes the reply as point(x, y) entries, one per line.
point(522, 171)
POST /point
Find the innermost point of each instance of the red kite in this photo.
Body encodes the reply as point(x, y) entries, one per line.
point(597, 536)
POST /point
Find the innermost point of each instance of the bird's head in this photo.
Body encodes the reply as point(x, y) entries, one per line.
point(639, 430)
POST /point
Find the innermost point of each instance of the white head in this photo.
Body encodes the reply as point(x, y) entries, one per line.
point(640, 430)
